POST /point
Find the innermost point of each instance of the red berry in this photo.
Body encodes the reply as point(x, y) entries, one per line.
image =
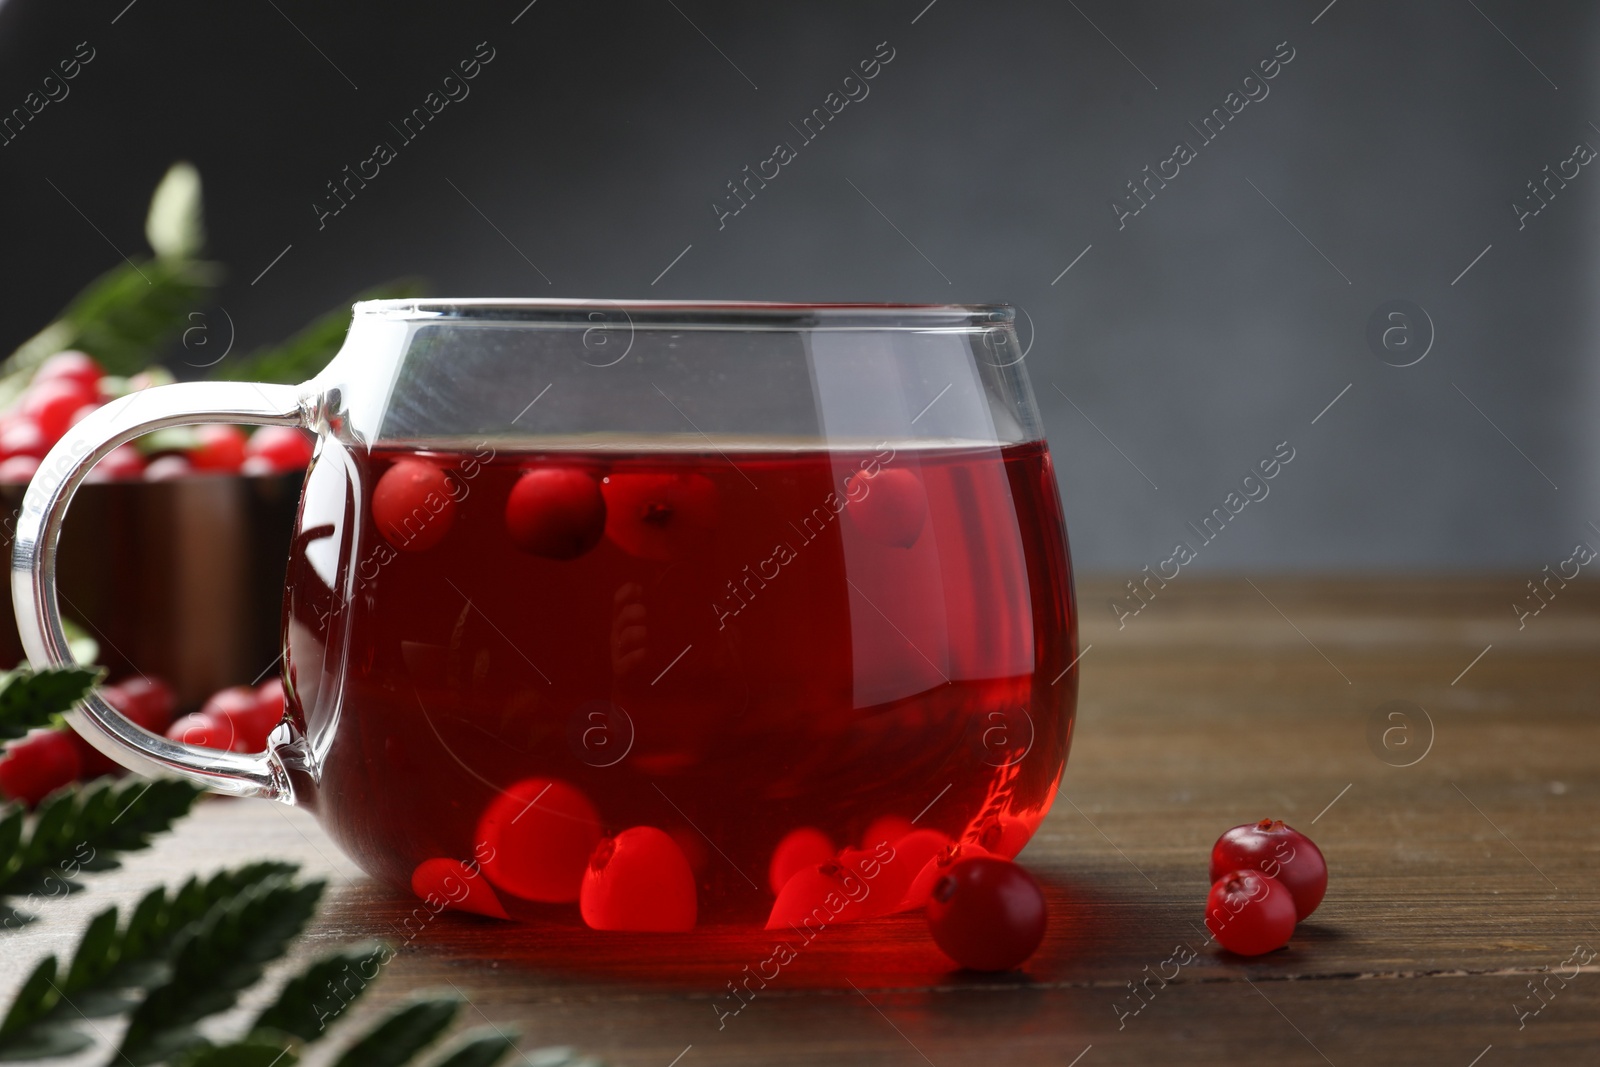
point(556, 512)
point(935, 868)
point(123, 463)
point(452, 882)
point(20, 436)
point(145, 702)
point(987, 914)
point(285, 448)
point(205, 731)
point(219, 448)
point(167, 469)
point(234, 702)
point(885, 876)
point(38, 765)
point(412, 505)
point(269, 696)
point(638, 880)
point(18, 470)
point(1278, 851)
point(538, 836)
point(890, 828)
point(73, 366)
point(890, 506)
point(148, 701)
point(818, 896)
point(1249, 913)
point(1004, 836)
point(803, 847)
point(83, 413)
point(907, 858)
point(659, 516)
point(241, 708)
point(92, 763)
point(51, 405)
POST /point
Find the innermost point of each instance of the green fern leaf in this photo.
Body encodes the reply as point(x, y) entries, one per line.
point(109, 969)
point(404, 1032)
point(33, 698)
point(484, 1047)
point(316, 997)
point(251, 1052)
point(83, 829)
point(216, 958)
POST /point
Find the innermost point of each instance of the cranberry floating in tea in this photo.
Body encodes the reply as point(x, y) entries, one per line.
point(643, 617)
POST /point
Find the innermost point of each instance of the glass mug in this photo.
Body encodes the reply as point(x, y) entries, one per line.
point(681, 612)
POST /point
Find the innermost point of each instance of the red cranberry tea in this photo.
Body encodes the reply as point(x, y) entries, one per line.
point(657, 688)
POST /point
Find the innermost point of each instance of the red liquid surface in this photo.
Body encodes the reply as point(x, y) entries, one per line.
point(757, 644)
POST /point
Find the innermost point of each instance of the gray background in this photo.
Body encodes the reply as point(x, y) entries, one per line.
point(1212, 327)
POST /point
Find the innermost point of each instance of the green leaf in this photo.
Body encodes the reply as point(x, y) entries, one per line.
point(85, 828)
point(320, 993)
point(214, 960)
point(557, 1056)
point(96, 955)
point(483, 1047)
point(121, 318)
point(35, 1045)
point(36, 997)
point(31, 698)
point(109, 970)
point(251, 1052)
point(307, 352)
point(404, 1032)
point(175, 227)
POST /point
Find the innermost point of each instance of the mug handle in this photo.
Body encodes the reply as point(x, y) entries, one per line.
point(33, 567)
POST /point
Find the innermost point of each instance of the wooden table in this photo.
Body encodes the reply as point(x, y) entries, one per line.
point(1458, 882)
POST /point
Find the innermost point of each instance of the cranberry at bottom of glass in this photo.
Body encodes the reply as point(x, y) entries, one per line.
point(542, 653)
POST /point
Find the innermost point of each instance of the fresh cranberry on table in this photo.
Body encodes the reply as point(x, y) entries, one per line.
point(252, 718)
point(987, 914)
point(92, 763)
point(1250, 913)
point(1278, 851)
point(640, 881)
point(144, 701)
point(122, 463)
point(168, 469)
point(18, 470)
point(148, 701)
point(71, 366)
point(269, 698)
point(556, 512)
point(412, 505)
point(20, 436)
point(276, 449)
point(205, 731)
point(52, 404)
point(219, 448)
point(39, 764)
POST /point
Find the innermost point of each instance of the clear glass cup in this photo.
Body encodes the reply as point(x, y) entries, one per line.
point(682, 612)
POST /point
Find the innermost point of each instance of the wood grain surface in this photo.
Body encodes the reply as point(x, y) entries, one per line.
point(1458, 882)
